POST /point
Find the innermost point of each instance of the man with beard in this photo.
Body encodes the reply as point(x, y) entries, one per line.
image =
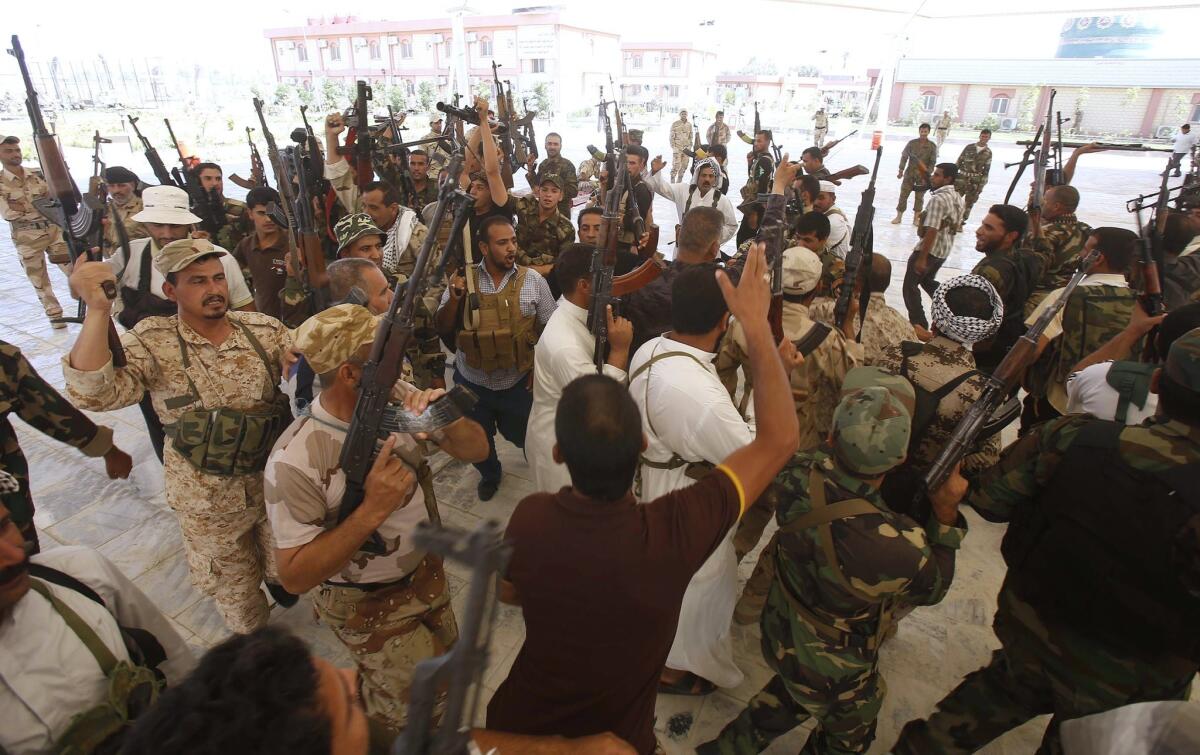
point(974, 164)
point(122, 186)
point(235, 228)
point(702, 192)
point(1011, 272)
point(48, 674)
point(555, 165)
point(424, 184)
point(718, 132)
point(213, 377)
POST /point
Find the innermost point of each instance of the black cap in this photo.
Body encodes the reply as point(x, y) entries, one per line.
point(119, 175)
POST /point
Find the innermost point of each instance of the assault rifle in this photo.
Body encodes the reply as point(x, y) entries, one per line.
point(526, 130)
point(1040, 167)
point(307, 242)
point(77, 216)
point(1152, 252)
point(258, 172)
point(206, 203)
point(359, 142)
point(161, 174)
point(96, 183)
point(382, 369)
point(459, 671)
point(1026, 159)
point(408, 192)
point(858, 259)
point(826, 149)
point(505, 116)
point(696, 143)
point(1106, 146)
point(776, 150)
point(977, 422)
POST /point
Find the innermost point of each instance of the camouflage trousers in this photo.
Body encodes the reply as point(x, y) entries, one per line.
point(388, 631)
point(839, 687)
point(33, 247)
point(679, 165)
point(819, 136)
point(907, 186)
point(229, 555)
point(1026, 678)
point(969, 191)
point(749, 531)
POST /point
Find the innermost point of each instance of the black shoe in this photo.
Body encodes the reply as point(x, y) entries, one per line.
point(487, 489)
point(282, 596)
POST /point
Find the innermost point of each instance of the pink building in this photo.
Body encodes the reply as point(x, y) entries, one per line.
point(670, 74)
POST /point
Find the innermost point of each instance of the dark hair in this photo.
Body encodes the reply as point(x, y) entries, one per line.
point(812, 222)
point(879, 276)
point(697, 304)
point(765, 132)
point(262, 196)
point(1174, 325)
point(207, 166)
point(572, 265)
point(1177, 232)
point(700, 228)
point(1013, 218)
point(1067, 195)
point(718, 151)
point(345, 274)
point(554, 133)
point(987, 131)
point(968, 301)
point(390, 195)
point(811, 185)
point(1178, 402)
point(638, 151)
point(949, 170)
point(486, 226)
point(598, 429)
point(418, 153)
point(174, 276)
point(588, 211)
point(254, 692)
point(813, 152)
point(720, 112)
point(923, 125)
point(1118, 245)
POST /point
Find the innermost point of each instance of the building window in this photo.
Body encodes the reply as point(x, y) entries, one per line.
point(539, 65)
point(410, 87)
point(406, 48)
point(673, 90)
point(302, 52)
point(335, 50)
point(637, 61)
point(675, 62)
point(928, 102)
point(373, 49)
point(999, 105)
point(485, 47)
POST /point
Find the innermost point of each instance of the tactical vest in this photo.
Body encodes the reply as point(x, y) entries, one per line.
point(1092, 317)
point(716, 197)
point(695, 469)
point(496, 336)
point(1101, 550)
point(138, 303)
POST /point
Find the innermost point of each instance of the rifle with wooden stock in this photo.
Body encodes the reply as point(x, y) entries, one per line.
point(828, 147)
point(78, 216)
point(206, 203)
point(408, 192)
point(858, 259)
point(360, 143)
point(1041, 167)
point(505, 116)
point(161, 174)
point(258, 172)
point(96, 186)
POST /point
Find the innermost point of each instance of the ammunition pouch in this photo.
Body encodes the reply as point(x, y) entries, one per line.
point(498, 337)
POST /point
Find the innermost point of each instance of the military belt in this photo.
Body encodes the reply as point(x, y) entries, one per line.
point(374, 586)
point(24, 225)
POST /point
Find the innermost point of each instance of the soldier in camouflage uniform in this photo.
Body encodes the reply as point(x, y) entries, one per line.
point(555, 165)
point(883, 326)
point(1061, 244)
point(424, 184)
point(843, 564)
point(916, 167)
point(392, 609)
point(820, 127)
point(35, 237)
point(213, 377)
point(237, 222)
point(974, 163)
point(24, 393)
point(122, 186)
point(681, 139)
point(438, 157)
point(718, 132)
point(542, 230)
point(1101, 598)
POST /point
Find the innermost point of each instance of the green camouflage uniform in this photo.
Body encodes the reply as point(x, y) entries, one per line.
point(561, 167)
point(1035, 672)
point(540, 241)
point(837, 584)
point(914, 180)
point(1061, 246)
point(34, 237)
point(237, 225)
point(974, 164)
point(426, 196)
point(23, 392)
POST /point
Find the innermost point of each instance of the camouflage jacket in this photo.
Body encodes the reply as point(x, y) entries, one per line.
point(718, 133)
point(540, 241)
point(237, 225)
point(681, 135)
point(1062, 246)
point(426, 196)
point(887, 556)
point(561, 167)
point(24, 393)
point(17, 195)
point(133, 229)
point(917, 150)
point(974, 164)
point(882, 328)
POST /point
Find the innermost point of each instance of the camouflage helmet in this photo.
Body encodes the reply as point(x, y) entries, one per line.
point(873, 422)
point(353, 227)
point(329, 338)
point(1183, 361)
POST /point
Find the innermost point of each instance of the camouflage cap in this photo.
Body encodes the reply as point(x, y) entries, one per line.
point(872, 377)
point(801, 270)
point(635, 135)
point(353, 227)
point(332, 336)
point(871, 426)
point(179, 254)
point(551, 178)
point(1183, 361)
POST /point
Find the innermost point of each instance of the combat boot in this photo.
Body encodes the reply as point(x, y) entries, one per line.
point(899, 216)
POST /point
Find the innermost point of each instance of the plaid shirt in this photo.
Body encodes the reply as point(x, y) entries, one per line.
point(943, 212)
point(535, 299)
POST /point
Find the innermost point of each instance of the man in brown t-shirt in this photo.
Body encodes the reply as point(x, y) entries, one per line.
point(600, 578)
point(262, 256)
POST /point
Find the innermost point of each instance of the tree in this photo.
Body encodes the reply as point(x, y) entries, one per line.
point(426, 95)
point(335, 94)
point(282, 95)
point(541, 96)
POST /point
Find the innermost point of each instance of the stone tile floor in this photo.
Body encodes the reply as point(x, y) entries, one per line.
point(129, 523)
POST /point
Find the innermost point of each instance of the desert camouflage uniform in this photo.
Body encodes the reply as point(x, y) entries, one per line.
point(561, 167)
point(1054, 670)
point(225, 534)
point(133, 229)
point(882, 328)
point(540, 242)
point(425, 354)
point(1061, 246)
point(681, 139)
point(941, 130)
point(237, 225)
point(916, 150)
point(33, 235)
point(718, 133)
point(438, 157)
point(24, 393)
point(820, 128)
point(884, 562)
point(974, 164)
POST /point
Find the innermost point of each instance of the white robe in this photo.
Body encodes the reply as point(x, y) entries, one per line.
point(563, 353)
point(679, 193)
point(692, 415)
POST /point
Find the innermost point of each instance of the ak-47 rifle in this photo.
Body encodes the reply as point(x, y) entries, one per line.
point(858, 259)
point(525, 127)
point(276, 159)
point(284, 216)
point(359, 141)
point(96, 182)
point(307, 242)
point(258, 172)
point(1040, 169)
point(382, 370)
point(408, 192)
point(696, 143)
point(776, 149)
point(156, 163)
point(459, 672)
point(182, 174)
point(206, 204)
point(977, 421)
point(1026, 158)
point(828, 147)
point(77, 216)
point(314, 163)
point(505, 116)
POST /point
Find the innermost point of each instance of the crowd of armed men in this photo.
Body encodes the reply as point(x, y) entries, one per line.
point(727, 391)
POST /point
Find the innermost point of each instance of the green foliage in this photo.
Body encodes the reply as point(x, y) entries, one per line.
point(336, 94)
point(426, 95)
point(990, 122)
point(541, 96)
point(730, 97)
point(282, 96)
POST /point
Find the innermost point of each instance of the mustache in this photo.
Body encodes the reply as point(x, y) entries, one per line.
point(10, 573)
point(214, 298)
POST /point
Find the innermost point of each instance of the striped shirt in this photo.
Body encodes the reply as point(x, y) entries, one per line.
point(943, 212)
point(535, 299)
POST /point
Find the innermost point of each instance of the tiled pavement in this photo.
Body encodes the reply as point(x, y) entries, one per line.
point(129, 523)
